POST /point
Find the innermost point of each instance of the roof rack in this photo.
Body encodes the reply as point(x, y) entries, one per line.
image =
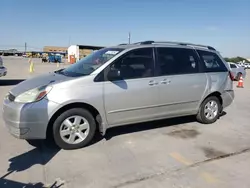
point(146, 42)
point(122, 44)
point(176, 43)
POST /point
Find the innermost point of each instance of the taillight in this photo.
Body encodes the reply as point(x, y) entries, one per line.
point(231, 75)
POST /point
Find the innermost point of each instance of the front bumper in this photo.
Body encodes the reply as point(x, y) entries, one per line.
point(227, 98)
point(27, 121)
point(3, 71)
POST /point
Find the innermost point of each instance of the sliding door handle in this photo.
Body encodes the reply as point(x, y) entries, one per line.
point(165, 81)
point(151, 82)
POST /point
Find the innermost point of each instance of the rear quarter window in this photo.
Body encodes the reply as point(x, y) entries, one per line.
point(232, 66)
point(211, 62)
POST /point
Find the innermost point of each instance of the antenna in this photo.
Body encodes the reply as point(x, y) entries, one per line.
point(129, 36)
point(25, 47)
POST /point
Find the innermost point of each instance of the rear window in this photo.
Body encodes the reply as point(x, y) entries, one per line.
point(232, 66)
point(211, 62)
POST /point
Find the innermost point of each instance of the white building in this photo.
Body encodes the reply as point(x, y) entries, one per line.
point(80, 51)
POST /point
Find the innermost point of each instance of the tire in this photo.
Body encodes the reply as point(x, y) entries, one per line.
point(62, 124)
point(201, 116)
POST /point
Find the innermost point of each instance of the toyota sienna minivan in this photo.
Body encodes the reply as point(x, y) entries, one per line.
point(120, 85)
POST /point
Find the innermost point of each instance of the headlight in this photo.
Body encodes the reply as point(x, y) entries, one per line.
point(33, 95)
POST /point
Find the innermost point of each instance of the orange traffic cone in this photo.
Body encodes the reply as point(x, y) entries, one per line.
point(240, 82)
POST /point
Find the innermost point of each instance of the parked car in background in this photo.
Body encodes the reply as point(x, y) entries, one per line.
point(120, 85)
point(247, 65)
point(3, 70)
point(244, 65)
point(237, 71)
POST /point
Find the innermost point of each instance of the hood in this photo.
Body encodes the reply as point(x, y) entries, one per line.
point(45, 79)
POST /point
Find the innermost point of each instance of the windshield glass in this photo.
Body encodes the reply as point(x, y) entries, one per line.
point(91, 62)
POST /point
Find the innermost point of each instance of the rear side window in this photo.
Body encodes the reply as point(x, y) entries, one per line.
point(232, 66)
point(172, 61)
point(211, 62)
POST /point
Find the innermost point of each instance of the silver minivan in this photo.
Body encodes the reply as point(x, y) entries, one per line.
point(120, 85)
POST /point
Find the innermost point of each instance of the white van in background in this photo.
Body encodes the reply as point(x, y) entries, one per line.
point(3, 70)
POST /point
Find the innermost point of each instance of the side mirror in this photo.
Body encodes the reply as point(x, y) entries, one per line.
point(114, 74)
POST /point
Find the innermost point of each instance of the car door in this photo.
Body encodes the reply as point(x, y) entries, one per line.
point(181, 85)
point(132, 98)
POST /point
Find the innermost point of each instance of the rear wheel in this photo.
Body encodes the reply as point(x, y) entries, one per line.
point(209, 110)
point(74, 129)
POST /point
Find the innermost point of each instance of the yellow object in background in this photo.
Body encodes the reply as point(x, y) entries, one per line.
point(31, 67)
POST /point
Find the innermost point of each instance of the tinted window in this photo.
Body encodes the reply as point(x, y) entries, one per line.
point(136, 64)
point(177, 61)
point(211, 62)
point(232, 66)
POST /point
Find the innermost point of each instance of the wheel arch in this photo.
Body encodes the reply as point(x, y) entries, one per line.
point(86, 106)
point(216, 94)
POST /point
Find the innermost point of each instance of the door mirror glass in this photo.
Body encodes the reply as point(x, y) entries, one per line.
point(114, 74)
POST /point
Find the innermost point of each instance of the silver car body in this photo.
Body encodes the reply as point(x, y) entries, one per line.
point(118, 103)
point(3, 70)
point(237, 69)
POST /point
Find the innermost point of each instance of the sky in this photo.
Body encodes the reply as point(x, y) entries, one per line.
point(223, 24)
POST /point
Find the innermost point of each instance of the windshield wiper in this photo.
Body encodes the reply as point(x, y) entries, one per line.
point(59, 71)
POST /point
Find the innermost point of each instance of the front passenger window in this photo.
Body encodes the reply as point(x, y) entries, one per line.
point(136, 64)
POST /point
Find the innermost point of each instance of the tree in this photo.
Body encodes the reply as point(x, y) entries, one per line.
point(235, 59)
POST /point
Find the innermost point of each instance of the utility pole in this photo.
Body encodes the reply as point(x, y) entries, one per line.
point(129, 36)
point(25, 47)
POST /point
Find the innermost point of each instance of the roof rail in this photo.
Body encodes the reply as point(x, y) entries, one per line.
point(176, 43)
point(145, 42)
point(122, 44)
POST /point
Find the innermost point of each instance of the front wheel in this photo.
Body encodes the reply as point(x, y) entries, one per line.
point(209, 110)
point(74, 128)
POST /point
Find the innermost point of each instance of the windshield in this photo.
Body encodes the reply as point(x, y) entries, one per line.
point(90, 63)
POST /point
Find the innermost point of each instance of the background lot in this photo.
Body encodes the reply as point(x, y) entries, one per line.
point(172, 153)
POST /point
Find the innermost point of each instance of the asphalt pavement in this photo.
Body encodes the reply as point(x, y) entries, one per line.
point(174, 153)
